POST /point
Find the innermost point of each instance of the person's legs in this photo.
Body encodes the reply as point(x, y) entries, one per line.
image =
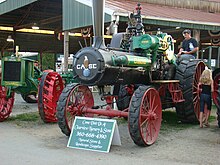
point(207, 118)
point(201, 119)
point(209, 106)
point(185, 57)
point(202, 104)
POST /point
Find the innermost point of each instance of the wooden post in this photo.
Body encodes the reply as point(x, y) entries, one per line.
point(66, 50)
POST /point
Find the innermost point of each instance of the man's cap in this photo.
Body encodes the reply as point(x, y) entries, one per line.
point(187, 31)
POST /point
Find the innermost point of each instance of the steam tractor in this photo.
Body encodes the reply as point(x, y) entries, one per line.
point(143, 74)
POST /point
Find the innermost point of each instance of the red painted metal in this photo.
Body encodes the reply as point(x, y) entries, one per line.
point(106, 112)
point(130, 89)
point(52, 89)
point(173, 88)
point(215, 93)
point(109, 99)
point(6, 104)
point(196, 89)
point(175, 91)
point(79, 98)
point(162, 90)
point(150, 116)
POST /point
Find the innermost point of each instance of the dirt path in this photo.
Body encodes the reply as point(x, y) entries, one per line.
point(40, 143)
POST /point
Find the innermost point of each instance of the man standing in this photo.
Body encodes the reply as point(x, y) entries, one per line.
point(189, 47)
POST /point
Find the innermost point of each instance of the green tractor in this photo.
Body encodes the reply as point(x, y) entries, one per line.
point(18, 75)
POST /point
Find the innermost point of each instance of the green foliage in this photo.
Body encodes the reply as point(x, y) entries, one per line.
point(48, 61)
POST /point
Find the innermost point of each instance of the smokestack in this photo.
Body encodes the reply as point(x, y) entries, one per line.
point(98, 23)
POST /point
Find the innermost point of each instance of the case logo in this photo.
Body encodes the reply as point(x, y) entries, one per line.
point(86, 67)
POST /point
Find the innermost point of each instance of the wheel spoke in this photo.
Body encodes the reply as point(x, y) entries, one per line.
point(145, 106)
point(149, 116)
point(154, 109)
point(152, 129)
point(195, 98)
point(75, 98)
point(144, 122)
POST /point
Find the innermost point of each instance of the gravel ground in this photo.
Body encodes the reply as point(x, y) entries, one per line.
point(40, 143)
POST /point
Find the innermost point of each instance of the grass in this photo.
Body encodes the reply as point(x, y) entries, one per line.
point(31, 117)
point(170, 122)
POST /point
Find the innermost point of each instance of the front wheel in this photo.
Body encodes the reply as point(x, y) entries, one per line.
point(72, 100)
point(145, 116)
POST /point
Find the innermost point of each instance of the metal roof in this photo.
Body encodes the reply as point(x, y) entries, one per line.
point(171, 16)
point(151, 14)
point(9, 5)
point(75, 9)
point(48, 13)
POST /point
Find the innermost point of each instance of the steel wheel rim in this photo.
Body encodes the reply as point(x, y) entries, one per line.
point(196, 94)
point(150, 116)
point(6, 104)
point(80, 97)
point(51, 95)
point(215, 92)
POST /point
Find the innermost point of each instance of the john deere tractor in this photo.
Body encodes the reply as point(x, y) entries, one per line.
point(17, 75)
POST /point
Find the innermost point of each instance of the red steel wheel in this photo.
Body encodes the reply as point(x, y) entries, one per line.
point(145, 115)
point(216, 86)
point(6, 104)
point(72, 100)
point(49, 90)
point(196, 89)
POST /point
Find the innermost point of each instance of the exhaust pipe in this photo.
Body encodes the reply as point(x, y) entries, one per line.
point(98, 23)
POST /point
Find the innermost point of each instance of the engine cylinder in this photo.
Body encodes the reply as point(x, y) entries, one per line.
point(94, 66)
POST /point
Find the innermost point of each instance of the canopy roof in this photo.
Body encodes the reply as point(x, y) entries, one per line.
point(52, 16)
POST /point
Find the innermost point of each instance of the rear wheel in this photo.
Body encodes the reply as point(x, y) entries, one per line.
point(189, 72)
point(216, 93)
point(72, 100)
point(216, 79)
point(124, 97)
point(6, 103)
point(145, 115)
point(49, 90)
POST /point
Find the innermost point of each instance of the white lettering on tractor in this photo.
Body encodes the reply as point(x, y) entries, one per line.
point(91, 66)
